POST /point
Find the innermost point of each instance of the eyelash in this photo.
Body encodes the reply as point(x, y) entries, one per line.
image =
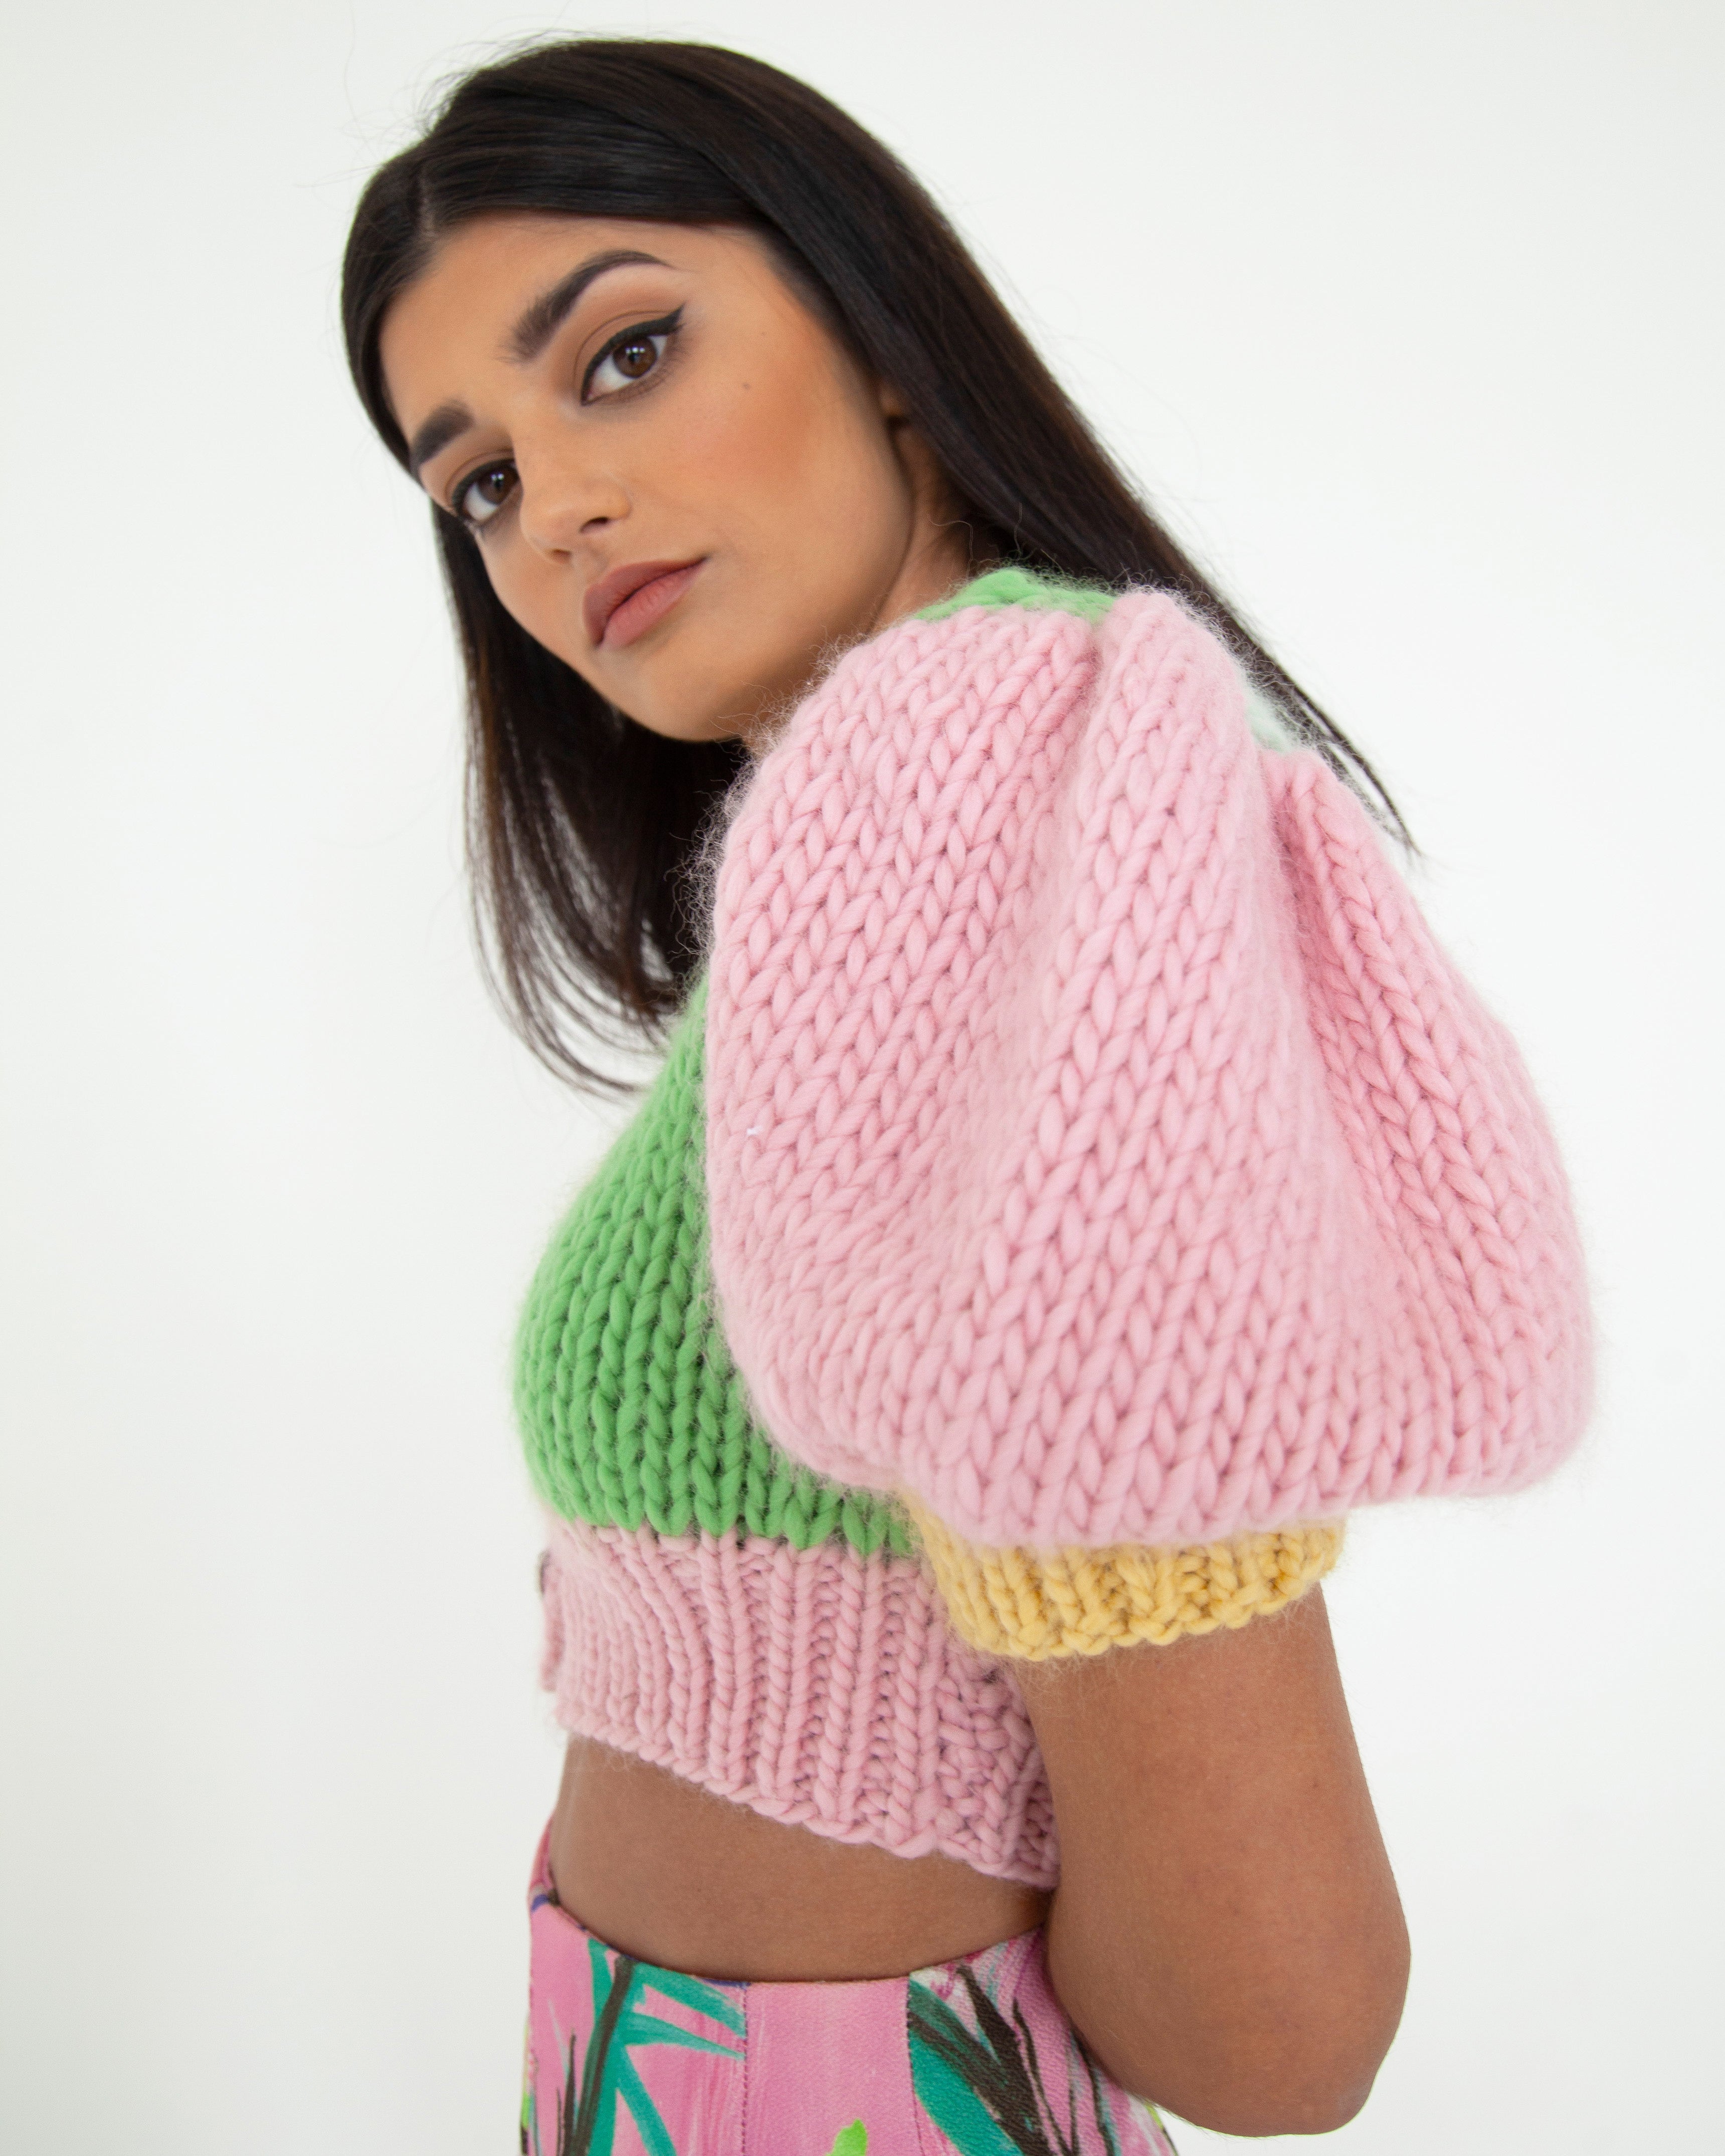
point(477, 526)
point(664, 328)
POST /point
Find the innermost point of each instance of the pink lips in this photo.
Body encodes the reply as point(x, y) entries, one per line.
point(624, 605)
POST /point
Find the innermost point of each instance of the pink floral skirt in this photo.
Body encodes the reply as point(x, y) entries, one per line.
point(971, 2058)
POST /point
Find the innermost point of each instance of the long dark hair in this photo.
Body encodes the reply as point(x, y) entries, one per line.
point(583, 828)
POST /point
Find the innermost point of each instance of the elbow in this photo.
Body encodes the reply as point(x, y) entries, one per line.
point(1282, 2069)
point(1299, 2092)
point(1313, 2103)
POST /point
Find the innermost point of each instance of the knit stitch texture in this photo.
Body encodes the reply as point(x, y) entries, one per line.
point(1100, 1148)
point(818, 1686)
point(630, 1406)
point(1047, 1605)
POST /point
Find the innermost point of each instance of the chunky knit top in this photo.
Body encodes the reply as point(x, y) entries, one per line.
point(1077, 1180)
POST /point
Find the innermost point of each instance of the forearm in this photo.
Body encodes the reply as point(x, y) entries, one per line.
point(1227, 1933)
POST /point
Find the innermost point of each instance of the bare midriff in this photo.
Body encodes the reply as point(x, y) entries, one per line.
point(654, 1865)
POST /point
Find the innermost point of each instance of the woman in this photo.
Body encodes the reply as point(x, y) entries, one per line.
point(1075, 1179)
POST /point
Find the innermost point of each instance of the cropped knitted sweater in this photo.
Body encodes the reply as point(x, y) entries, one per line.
point(1076, 1181)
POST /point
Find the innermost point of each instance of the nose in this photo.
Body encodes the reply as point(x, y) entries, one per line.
point(566, 501)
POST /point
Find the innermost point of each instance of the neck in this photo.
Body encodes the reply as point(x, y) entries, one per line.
point(938, 560)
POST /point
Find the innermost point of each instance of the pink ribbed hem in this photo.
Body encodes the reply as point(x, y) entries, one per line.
point(816, 1686)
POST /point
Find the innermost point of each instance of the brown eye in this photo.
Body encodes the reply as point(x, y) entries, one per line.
point(483, 493)
point(633, 357)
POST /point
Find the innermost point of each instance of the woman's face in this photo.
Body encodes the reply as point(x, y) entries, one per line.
point(677, 480)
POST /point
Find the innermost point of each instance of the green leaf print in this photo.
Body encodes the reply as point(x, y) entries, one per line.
point(984, 2088)
point(648, 2029)
point(690, 1991)
point(853, 2140)
point(587, 2119)
point(954, 2105)
point(655, 2137)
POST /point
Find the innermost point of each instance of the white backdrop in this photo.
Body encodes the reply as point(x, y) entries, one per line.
point(1410, 315)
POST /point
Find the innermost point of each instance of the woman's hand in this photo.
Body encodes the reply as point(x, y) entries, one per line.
point(1227, 1934)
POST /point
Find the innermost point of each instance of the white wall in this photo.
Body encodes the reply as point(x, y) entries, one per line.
point(1411, 314)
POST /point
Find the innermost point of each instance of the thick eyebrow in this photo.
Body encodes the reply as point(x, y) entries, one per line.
point(534, 329)
point(539, 322)
point(436, 433)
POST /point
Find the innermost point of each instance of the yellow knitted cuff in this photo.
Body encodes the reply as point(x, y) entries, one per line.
point(1041, 1605)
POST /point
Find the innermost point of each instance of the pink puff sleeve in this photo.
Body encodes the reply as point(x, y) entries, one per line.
point(1101, 1151)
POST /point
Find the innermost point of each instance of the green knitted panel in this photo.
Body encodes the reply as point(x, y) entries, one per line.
point(1015, 586)
point(631, 1406)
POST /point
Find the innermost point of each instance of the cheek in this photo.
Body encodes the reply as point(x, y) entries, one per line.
point(793, 470)
point(530, 589)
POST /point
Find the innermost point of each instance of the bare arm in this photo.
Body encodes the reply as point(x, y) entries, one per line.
point(1226, 1934)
